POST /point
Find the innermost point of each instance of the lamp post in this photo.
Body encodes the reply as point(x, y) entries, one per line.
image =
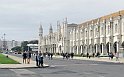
point(4, 42)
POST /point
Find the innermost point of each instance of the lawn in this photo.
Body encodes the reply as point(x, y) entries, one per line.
point(7, 60)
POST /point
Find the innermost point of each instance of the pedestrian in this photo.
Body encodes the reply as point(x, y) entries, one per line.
point(48, 55)
point(24, 57)
point(117, 56)
point(66, 55)
point(111, 55)
point(51, 56)
point(44, 54)
point(40, 60)
point(37, 59)
point(87, 54)
point(63, 54)
point(93, 54)
point(98, 54)
point(72, 55)
point(28, 57)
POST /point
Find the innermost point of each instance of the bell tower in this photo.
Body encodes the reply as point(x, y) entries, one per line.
point(40, 39)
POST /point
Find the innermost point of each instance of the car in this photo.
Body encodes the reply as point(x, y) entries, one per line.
point(19, 53)
point(6, 52)
point(15, 52)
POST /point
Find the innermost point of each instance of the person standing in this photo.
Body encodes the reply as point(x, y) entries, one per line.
point(51, 56)
point(48, 55)
point(117, 56)
point(72, 55)
point(24, 57)
point(87, 54)
point(28, 57)
point(37, 59)
point(40, 60)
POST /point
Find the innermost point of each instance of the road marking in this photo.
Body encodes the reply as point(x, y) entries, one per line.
point(93, 64)
point(73, 65)
point(101, 76)
point(21, 72)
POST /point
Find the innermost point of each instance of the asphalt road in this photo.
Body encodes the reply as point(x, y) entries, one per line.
point(68, 68)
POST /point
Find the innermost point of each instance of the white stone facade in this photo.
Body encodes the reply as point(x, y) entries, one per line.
point(103, 35)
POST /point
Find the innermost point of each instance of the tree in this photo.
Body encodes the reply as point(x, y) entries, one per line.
point(24, 43)
point(24, 46)
point(17, 48)
point(33, 42)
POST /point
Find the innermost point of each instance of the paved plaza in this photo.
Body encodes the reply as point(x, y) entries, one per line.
point(59, 67)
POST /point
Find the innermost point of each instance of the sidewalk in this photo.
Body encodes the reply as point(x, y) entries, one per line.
point(103, 59)
point(31, 65)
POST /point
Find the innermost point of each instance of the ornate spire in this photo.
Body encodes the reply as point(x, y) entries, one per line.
point(66, 20)
point(51, 29)
point(40, 30)
point(58, 25)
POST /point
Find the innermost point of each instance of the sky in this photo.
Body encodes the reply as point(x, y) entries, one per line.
point(20, 19)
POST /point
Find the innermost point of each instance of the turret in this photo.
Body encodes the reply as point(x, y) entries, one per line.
point(40, 30)
point(40, 39)
point(51, 29)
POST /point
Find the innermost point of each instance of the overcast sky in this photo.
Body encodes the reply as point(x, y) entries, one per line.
point(20, 19)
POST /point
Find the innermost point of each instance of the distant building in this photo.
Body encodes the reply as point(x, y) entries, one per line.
point(34, 47)
point(104, 35)
point(10, 44)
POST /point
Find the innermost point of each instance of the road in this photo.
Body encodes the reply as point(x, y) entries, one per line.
point(68, 68)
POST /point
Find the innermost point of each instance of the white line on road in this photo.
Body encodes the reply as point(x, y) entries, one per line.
point(72, 65)
point(20, 72)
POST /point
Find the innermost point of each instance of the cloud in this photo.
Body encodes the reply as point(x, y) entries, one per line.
point(21, 17)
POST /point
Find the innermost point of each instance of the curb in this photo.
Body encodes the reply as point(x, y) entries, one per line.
point(19, 66)
point(102, 60)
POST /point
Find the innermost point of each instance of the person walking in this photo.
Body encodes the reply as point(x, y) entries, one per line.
point(24, 57)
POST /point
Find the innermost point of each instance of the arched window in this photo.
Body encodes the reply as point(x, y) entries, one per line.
point(102, 31)
point(108, 29)
point(86, 33)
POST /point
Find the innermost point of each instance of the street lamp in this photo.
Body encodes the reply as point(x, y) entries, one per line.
point(4, 42)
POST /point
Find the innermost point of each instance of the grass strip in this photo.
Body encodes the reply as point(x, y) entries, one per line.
point(7, 60)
